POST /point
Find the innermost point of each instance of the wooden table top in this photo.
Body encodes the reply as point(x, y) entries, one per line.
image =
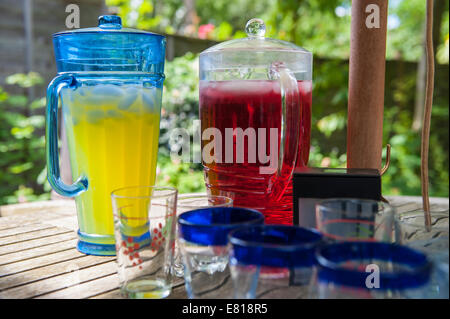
point(38, 258)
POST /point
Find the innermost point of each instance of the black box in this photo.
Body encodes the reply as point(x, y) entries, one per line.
point(312, 185)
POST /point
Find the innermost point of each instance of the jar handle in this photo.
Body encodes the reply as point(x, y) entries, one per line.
point(51, 137)
point(290, 128)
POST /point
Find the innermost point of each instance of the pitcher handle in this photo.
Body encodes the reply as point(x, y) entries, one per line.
point(51, 137)
point(290, 128)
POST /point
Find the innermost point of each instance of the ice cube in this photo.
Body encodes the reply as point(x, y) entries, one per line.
point(67, 95)
point(237, 87)
point(112, 113)
point(131, 94)
point(83, 91)
point(75, 120)
point(103, 94)
point(107, 90)
point(94, 116)
point(151, 98)
point(305, 86)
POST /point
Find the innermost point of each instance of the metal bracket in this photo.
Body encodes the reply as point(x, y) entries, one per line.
point(388, 159)
point(386, 166)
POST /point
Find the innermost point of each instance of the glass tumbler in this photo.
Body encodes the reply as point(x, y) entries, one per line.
point(203, 238)
point(144, 224)
point(273, 262)
point(411, 231)
point(344, 219)
point(190, 202)
point(367, 270)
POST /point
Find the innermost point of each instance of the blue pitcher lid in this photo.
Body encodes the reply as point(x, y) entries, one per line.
point(109, 48)
point(106, 23)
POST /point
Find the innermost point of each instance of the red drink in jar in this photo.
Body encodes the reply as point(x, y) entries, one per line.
point(254, 104)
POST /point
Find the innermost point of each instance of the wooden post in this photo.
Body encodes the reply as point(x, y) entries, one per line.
point(366, 83)
point(424, 149)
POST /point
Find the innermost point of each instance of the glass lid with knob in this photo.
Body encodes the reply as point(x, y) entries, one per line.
point(251, 57)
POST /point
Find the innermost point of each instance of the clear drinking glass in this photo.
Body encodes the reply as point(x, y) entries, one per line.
point(344, 219)
point(203, 238)
point(367, 270)
point(273, 262)
point(190, 202)
point(411, 231)
point(144, 223)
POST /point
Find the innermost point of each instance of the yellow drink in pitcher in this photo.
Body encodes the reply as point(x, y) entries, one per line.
point(112, 133)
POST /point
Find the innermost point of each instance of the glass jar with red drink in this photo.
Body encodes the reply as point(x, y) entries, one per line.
point(255, 112)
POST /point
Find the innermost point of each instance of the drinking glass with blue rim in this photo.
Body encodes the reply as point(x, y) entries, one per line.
point(203, 239)
point(367, 270)
point(272, 261)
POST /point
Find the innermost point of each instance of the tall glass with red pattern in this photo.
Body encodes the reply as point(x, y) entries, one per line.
point(255, 112)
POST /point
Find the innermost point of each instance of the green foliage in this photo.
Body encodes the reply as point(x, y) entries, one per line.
point(235, 13)
point(180, 98)
point(329, 113)
point(442, 54)
point(313, 25)
point(183, 176)
point(328, 141)
point(22, 158)
point(163, 16)
point(24, 80)
point(403, 176)
point(180, 108)
point(411, 15)
point(320, 26)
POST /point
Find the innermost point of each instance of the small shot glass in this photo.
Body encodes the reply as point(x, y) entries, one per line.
point(370, 270)
point(203, 239)
point(274, 262)
point(344, 219)
point(187, 203)
point(144, 227)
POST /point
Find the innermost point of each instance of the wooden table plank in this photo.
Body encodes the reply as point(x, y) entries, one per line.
point(60, 207)
point(44, 272)
point(27, 219)
point(69, 222)
point(36, 262)
point(55, 286)
point(37, 251)
point(178, 292)
point(38, 242)
point(113, 294)
point(85, 290)
point(417, 200)
point(46, 232)
point(23, 229)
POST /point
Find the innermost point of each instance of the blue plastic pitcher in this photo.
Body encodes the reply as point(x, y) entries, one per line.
point(110, 86)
